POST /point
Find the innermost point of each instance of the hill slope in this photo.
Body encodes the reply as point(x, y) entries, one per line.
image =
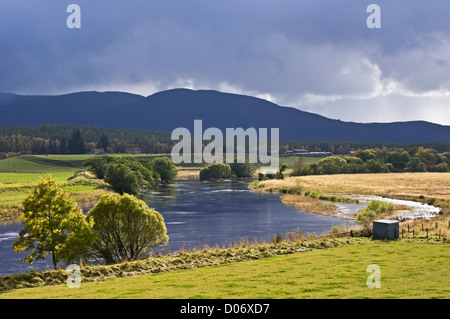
point(167, 110)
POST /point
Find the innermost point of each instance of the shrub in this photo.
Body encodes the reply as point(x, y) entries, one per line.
point(123, 180)
point(242, 169)
point(215, 171)
point(375, 209)
point(165, 168)
point(98, 165)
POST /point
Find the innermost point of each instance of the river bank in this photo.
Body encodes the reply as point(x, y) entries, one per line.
point(421, 200)
point(208, 256)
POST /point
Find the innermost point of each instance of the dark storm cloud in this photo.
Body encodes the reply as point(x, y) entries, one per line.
point(317, 55)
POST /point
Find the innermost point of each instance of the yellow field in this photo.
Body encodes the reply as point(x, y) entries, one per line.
point(395, 185)
point(410, 186)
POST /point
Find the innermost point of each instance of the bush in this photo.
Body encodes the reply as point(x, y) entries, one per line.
point(165, 168)
point(292, 190)
point(332, 165)
point(242, 169)
point(375, 209)
point(98, 165)
point(215, 171)
point(123, 180)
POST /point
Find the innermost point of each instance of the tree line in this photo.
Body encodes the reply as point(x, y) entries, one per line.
point(416, 159)
point(68, 139)
point(343, 147)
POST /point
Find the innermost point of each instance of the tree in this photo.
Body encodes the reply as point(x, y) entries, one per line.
point(53, 224)
point(399, 159)
point(125, 228)
point(415, 165)
point(442, 168)
point(123, 180)
point(165, 168)
point(366, 155)
point(332, 165)
point(63, 146)
point(375, 166)
point(279, 174)
point(103, 143)
point(215, 171)
point(76, 143)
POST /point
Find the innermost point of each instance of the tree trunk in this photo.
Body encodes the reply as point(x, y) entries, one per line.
point(54, 260)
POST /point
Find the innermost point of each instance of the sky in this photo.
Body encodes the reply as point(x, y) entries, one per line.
point(316, 55)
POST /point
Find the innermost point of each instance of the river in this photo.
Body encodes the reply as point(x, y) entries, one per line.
point(198, 213)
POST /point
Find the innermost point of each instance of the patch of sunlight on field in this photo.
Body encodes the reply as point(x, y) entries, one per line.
point(17, 179)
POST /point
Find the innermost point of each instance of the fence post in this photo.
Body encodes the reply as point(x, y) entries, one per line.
point(413, 233)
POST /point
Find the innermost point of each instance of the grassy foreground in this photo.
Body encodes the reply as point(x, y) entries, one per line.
point(408, 270)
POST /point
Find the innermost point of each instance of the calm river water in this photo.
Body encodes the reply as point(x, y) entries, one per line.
point(198, 213)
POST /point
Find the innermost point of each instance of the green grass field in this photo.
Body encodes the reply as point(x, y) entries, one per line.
point(290, 160)
point(408, 270)
point(51, 163)
point(16, 179)
point(42, 164)
point(19, 175)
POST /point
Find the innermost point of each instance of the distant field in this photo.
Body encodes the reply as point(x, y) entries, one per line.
point(419, 270)
point(16, 179)
point(290, 160)
point(397, 185)
point(42, 164)
point(19, 175)
point(52, 163)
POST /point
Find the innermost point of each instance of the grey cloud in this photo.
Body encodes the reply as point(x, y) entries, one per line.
point(313, 54)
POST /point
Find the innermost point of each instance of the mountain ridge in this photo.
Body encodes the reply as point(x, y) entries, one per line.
point(169, 109)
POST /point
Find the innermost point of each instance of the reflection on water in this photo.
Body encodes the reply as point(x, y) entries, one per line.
point(198, 213)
